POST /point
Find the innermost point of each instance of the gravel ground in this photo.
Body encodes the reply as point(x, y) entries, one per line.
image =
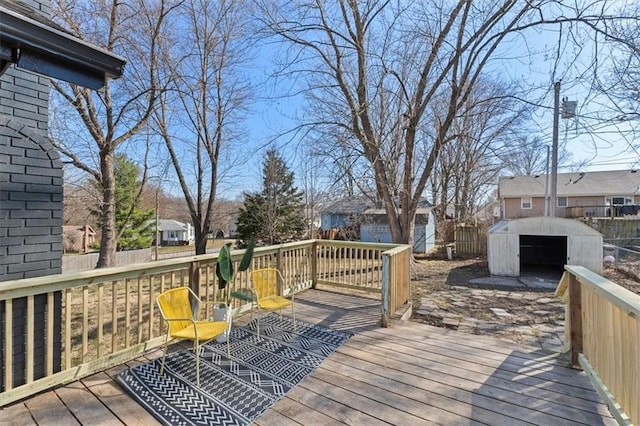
point(441, 297)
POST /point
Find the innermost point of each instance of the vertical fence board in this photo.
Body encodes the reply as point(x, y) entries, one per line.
point(114, 316)
point(49, 343)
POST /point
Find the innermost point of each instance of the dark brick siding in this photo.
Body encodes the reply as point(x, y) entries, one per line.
point(30, 209)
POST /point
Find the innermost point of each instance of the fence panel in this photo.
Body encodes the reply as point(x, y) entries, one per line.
point(470, 240)
point(350, 265)
point(87, 262)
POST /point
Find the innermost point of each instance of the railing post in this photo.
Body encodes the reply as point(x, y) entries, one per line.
point(575, 319)
point(384, 322)
point(194, 277)
point(314, 264)
point(279, 259)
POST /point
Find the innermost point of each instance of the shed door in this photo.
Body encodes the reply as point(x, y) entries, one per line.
point(542, 253)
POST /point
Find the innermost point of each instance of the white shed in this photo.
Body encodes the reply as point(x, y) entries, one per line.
point(542, 243)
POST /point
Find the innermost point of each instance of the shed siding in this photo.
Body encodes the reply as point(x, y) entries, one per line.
point(584, 244)
point(423, 238)
point(582, 250)
point(503, 255)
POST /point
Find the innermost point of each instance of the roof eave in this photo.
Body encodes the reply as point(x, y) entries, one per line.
point(58, 54)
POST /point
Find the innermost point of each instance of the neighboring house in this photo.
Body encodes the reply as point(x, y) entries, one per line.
point(489, 213)
point(78, 239)
point(233, 227)
point(32, 49)
point(344, 212)
point(174, 233)
point(357, 218)
point(224, 217)
point(375, 228)
point(595, 194)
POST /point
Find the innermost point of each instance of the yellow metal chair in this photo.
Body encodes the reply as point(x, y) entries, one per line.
point(267, 286)
point(179, 308)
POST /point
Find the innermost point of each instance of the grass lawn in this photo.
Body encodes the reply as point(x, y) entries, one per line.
point(211, 244)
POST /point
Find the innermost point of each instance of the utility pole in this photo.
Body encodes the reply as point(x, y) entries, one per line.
point(554, 150)
point(157, 220)
point(546, 185)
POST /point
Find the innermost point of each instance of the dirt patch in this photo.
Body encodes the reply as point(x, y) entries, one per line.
point(439, 275)
point(441, 297)
point(624, 277)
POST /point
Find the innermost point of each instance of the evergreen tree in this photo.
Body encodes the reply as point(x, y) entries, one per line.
point(276, 214)
point(135, 228)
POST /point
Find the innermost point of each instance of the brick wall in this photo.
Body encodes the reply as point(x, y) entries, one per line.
point(30, 209)
point(30, 203)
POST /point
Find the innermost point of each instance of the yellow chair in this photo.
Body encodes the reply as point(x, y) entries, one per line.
point(179, 307)
point(267, 288)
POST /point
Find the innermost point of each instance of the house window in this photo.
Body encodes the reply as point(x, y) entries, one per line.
point(619, 201)
point(525, 203)
point(562, 202)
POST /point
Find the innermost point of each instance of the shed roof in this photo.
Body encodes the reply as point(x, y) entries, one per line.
point(542, 225)
point(607, 183)
point(35, 43)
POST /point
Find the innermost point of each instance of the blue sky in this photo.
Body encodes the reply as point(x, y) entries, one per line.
point(587, 138)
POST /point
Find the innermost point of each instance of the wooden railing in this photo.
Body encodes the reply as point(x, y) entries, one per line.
point(396, 281)
point(108, 316)
point(603, 331)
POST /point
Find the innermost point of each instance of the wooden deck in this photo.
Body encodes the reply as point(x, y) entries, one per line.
point(409, 374)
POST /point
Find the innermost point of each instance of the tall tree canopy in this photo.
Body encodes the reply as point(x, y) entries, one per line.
point(90, 126)
point(387, 81)
point(201, 114)
point(277, 213)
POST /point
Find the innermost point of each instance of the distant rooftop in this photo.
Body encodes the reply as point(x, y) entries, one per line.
point(607, 183)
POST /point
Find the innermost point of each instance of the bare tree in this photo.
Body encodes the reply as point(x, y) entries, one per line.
point(617, 79)
point(468, 166)
point(111, 117)
point(381, 70)
point(200, 116)
point(395, 76)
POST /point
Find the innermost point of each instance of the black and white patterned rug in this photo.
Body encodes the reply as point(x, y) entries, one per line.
point(232, 391)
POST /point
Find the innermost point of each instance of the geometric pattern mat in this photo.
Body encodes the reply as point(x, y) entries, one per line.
point(232, 391)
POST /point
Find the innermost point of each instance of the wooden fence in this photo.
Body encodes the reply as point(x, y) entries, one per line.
point(109, 315)
point(470, 240)
point(86, 262)
point(603, 331)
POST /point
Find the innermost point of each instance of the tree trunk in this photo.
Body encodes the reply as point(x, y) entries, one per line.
point(109, 243)
point(200, 237)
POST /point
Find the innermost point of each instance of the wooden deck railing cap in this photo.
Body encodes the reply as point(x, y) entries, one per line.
point(620, 296)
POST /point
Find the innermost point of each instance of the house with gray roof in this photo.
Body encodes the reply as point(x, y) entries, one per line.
point(174, 233)
point(358, 218)
point(612, 193)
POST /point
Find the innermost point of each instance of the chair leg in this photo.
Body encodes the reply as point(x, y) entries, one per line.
point(164, 355)
point(293, 313)
point(197, 355)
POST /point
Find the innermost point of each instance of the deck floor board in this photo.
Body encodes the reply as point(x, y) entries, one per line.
point(410, 373)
